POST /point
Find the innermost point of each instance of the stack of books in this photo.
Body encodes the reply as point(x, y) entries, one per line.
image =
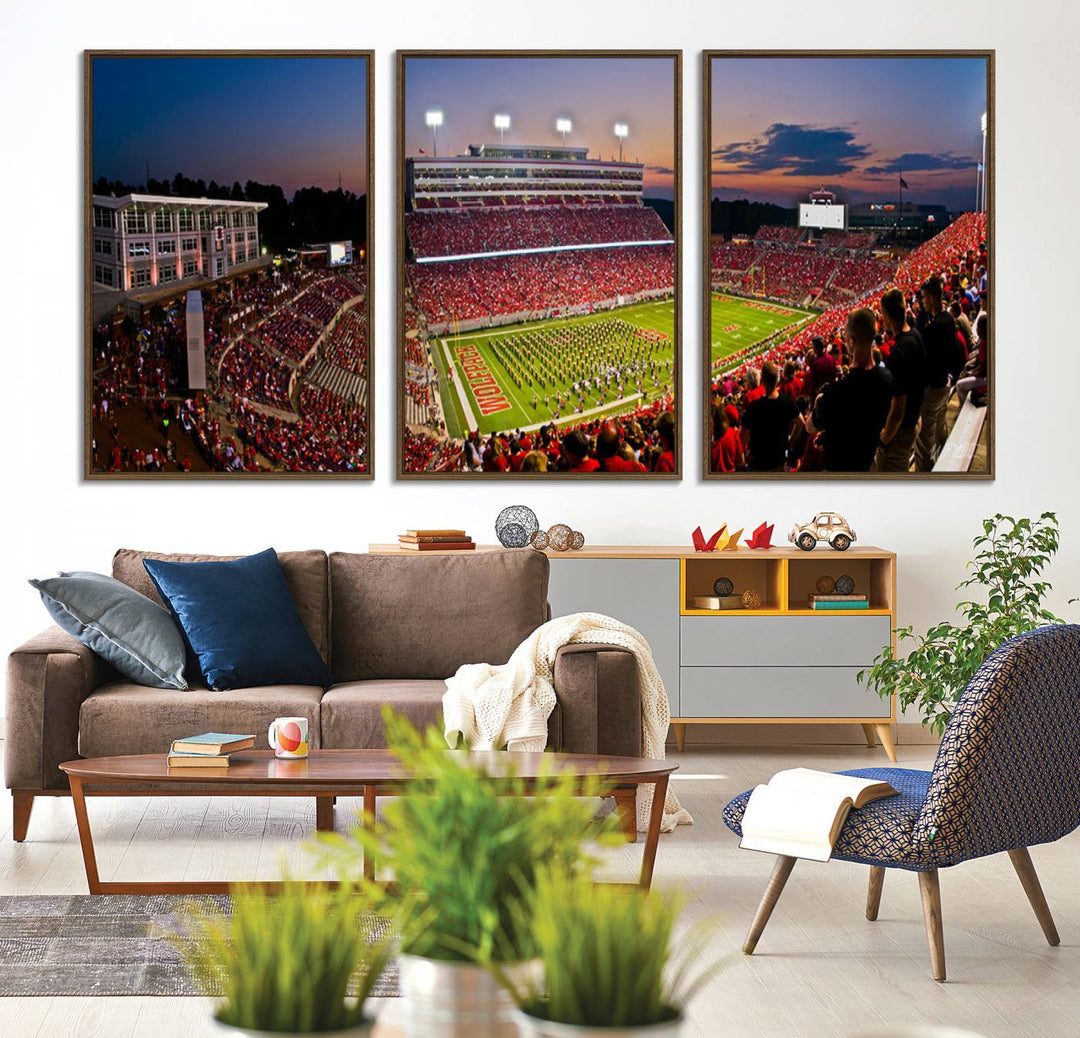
point(209, 750)
point(436, 540)
point(838, 601)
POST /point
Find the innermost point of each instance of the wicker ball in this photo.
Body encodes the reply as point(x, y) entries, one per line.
point(577, 542)
point(515, 526)
point(560, 537)
point(723, 586)
point(539, 540)
point(825, 584)
point(845, 585)
point(751, 599)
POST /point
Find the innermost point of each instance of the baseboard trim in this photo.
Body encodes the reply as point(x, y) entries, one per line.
point(907, 733)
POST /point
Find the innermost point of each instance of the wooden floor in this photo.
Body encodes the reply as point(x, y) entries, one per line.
point(820, 968)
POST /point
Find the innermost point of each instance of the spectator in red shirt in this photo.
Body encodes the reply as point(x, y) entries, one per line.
point(727, 447)
point(607, 451)
point(575, 449)
point(665, 430)
point(822, 368)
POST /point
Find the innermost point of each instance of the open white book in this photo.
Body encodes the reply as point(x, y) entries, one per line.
point(801, 811)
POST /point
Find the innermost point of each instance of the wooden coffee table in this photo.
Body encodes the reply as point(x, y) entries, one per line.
point(327, 774)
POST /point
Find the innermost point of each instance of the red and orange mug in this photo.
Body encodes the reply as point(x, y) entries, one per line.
point(288, 737)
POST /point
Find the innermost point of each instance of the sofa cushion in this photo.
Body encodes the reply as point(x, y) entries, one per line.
point(122, 718)
point(304, 571)
point(352, 712)
point(395, 616)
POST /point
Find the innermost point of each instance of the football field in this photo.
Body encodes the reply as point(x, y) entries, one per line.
point(482, 384)
point(741, 323)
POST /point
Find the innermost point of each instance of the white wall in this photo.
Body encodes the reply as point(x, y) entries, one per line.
point(56, 521)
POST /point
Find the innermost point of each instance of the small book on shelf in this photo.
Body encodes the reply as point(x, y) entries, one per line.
point(452, 534)
point(801, 811)
point(718, 602)
point(434, 538)
point(455, 545)
point(212, 744)
point(825, 604)
point(197, 760)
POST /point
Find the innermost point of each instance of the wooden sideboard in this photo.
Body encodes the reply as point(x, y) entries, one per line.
point(780, 663)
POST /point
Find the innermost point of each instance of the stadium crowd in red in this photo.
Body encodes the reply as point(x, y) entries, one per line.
point(469, 231)
point(638, 442)
point(820, 354)
point(146, 369)
point(461, 290)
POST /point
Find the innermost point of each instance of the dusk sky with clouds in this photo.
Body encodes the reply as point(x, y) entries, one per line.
point(594, 93)
point(782, 127)
point(297, 122)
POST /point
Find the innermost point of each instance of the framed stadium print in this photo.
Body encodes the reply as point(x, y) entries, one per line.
point(538, 264)
point(228, 252)
point(848, 258)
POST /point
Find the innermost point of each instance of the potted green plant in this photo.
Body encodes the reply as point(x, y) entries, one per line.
point(1010, 557)
point(298, 962)
point(607, 966)
point(465, 849)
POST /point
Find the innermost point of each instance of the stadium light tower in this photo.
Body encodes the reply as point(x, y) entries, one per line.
point(434, 119)
point(502, 124)
point(622, 131)
point(563, 126)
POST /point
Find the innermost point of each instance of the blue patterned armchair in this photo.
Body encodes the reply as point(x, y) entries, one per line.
point(1006, 777)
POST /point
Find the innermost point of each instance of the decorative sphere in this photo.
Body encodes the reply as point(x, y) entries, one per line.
point(825, 584)
point(577, 542)
point(723, 586)
point(751, 599)
point(515, 526)
point(540, 540)
point(845, 585)
point(560, 537)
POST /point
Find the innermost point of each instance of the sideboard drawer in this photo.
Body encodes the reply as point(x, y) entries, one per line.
point(783, 641)
point(778, 692)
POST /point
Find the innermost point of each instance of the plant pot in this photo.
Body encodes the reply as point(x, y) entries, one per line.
point(452, 1000)
point(361, 1030)
point(534, 1027)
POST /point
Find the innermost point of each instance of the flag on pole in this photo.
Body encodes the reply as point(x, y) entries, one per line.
point(904, 183)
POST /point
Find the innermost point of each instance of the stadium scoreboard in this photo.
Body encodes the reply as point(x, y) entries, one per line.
point(823, 217)
point(339, 254)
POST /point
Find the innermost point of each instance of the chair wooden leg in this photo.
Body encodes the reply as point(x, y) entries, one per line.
point(324, 814)
point(21, 806)
point(1021, 860)
point(781, 871)
point(873, 892)
point(931, 905)
point(871, 739)
point(884, 732)
point(680, 736)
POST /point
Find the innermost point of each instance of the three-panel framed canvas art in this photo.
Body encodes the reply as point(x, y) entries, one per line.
point(847, 244)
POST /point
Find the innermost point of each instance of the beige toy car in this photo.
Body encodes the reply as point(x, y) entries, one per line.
point(825, 526)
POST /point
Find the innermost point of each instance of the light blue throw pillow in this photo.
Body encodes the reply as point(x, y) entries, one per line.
point(136, 635)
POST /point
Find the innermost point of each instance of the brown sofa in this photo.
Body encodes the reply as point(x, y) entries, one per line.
point(391, 629)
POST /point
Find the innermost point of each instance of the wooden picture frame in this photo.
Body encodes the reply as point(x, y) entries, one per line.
point(987, 170)
point(342, 448)
point(436, 370)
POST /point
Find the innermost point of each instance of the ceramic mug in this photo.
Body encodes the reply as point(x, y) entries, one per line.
point(288, 737)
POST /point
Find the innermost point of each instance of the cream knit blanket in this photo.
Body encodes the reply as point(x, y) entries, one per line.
point(493, 706)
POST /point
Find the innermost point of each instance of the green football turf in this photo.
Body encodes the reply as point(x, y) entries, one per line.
point(659, 316)
point(737, 323)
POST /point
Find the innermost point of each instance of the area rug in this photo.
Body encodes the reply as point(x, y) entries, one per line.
point(109, 944)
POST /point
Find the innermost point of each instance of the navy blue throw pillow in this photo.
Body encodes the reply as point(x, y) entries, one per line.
point(241, 621)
